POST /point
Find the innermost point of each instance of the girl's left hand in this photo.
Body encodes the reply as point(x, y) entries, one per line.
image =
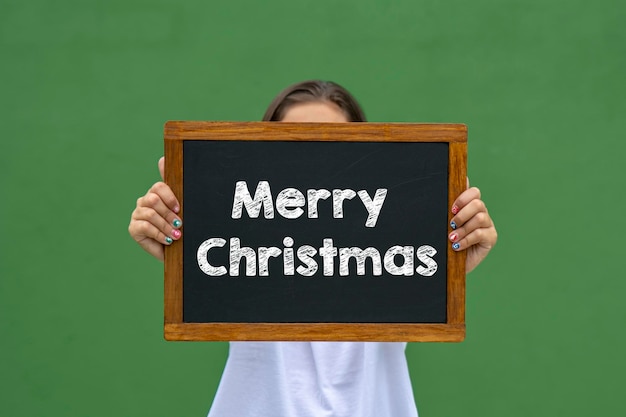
point(473, 229)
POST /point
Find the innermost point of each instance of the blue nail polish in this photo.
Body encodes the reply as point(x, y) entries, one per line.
point(176, 223)
point(168, 240)
point(456, 246)
point(453, 225)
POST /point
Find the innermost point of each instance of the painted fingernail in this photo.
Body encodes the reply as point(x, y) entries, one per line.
point(456, 246)
point(455, 209)
point(177, 209)
point(454, 237)
point(453, 225)
point(176, 234)
point(177, 223)
point(168, 240)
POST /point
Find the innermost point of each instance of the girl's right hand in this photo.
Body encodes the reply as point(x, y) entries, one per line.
point(155, 221)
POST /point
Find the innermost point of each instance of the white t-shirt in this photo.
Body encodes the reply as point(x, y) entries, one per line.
point(313, 379)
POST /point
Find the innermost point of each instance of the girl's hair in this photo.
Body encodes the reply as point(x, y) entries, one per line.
point(314, 91)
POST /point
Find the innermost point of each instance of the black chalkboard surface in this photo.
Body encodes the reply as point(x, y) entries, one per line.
point(314, 231)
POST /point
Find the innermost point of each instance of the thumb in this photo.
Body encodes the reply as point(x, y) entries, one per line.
point(162, 167)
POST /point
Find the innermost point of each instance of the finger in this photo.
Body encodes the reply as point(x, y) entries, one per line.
point(478, 221)
point(153, 247)
point(151, 207)
point(164, 199)
point(143, 231)
point(151, 216)
point(162, 167)
point(472, 209)
point(168, 195)
point(465, 198)
point(484, 237)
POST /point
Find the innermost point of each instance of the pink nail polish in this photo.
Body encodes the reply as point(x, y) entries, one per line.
point(453, 237)
point(176, 234)
point(455, 209)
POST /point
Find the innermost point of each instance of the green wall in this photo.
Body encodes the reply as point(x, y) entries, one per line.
point(87, 86)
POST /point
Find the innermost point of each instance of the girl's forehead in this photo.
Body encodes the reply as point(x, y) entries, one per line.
point(314, 112)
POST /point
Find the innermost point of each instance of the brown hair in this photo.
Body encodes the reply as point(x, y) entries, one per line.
point(312, 91)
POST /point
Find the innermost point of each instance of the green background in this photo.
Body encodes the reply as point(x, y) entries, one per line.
point(88, 85)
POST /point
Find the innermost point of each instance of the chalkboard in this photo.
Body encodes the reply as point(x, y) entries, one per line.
point(314, 231)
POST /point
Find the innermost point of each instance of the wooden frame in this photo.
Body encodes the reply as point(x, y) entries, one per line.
point(176, 132)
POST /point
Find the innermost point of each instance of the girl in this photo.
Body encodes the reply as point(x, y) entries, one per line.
point(280, 379)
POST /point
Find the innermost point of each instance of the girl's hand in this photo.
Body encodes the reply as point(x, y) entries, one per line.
point(472, 228)
point(155, 221)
